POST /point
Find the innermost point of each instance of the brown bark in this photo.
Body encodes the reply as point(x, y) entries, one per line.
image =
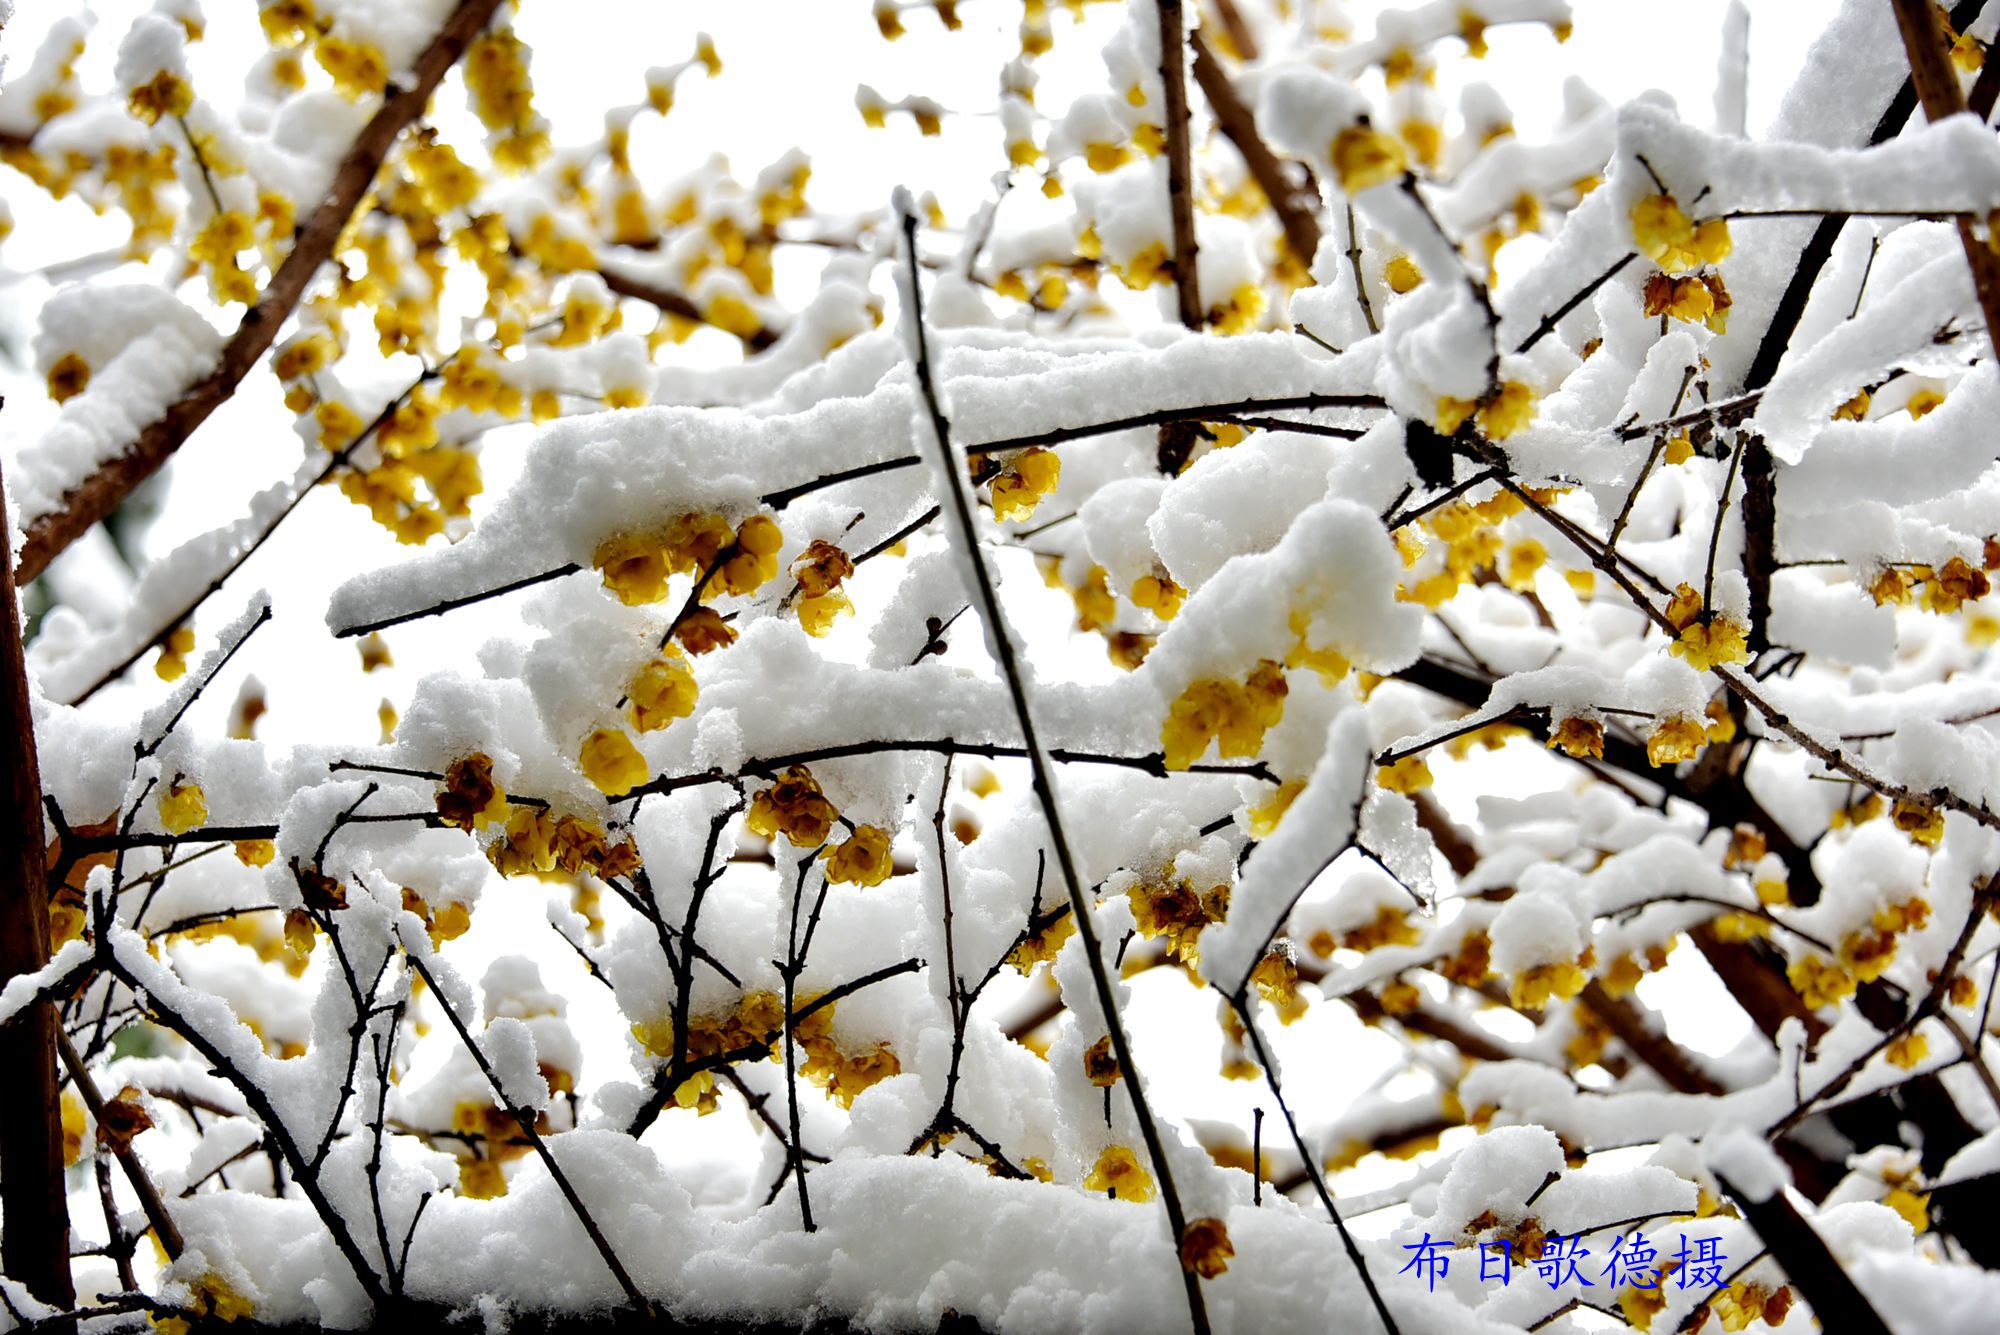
point(1296, 212)
point(1180, 173)
point(34, 1245)
point(93, 499)
point(1937, 89)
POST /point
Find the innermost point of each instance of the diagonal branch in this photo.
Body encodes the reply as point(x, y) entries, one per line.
point(1000, 636)
point(1296, 207)
point(93, 499)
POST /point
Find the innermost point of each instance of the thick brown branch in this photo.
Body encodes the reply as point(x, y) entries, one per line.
point(1296, 212)
point(1937, 88)
point(34, 1248)
point(93, 499)
point(1180, 173)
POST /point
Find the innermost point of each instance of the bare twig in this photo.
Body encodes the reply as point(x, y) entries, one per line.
point(1003, 651)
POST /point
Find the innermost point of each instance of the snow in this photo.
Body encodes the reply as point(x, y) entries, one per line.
point(1279, 540)
point(143, 348)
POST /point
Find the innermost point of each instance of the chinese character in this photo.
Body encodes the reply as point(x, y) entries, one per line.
point(1634, 1262)
point(1487, 1269)
point(1701, 1266)
point(1430, 1261)
point(1559, 1258)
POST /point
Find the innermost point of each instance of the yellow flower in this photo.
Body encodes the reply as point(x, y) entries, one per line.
point(756, 561)
point(703, 631)
point(1264, 818)
point(357, 68)
point(1205, 1247)
point(470, 799)
point(338, 424)
point(1019, 489)
point(1579, 737)
point(1923, 822)
point(1720, 641)
point(1402, 274)
point(1675, 740)
point(1213, 709)
point(1665, 235)
point(795, 807)
point(663, 691)
point(863, 859)
point(256, 852)
point(1923, 402)
point(1955, 585)
point(481, 1179)
point(165, 94)
point(1411, 774)
point(1561, 979)
point(172, 664)
point(182, 808)
point(634, 567)
point(1820, 982)
point(1908, 1052)
point(1159, 595)
point(1117, 1173)
point(68, 377)
point(817, 615)
point(1277, 980)
point(1913, 1206)
point(1364, 157)
point(1679, 449)
point(610, 761)
point(1507, 411)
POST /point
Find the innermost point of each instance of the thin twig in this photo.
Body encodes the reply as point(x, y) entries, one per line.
point(1003, 650)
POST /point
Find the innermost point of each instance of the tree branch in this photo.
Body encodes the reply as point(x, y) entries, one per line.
point(1180, 182)
point(1937, 88)
point(35, 1248)
point(93, 499)
point(1288, 200)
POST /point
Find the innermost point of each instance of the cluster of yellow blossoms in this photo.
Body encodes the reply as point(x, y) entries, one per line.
point(637, 566)
point(532, 839)
point(1942, 590)
point(1390, 927)
point(1233, 715)
point(1474, 545)
point(1863, 955)
point(1704, 639)
point(753, 1029)
point(1499, 415)
point(496, 74)
point(1177, 911)
point(1533, 987)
